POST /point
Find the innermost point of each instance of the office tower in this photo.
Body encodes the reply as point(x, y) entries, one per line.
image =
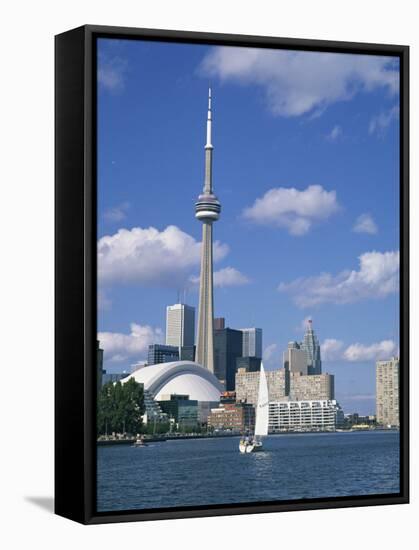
point(247, 385)
point(219, 323)
point(311, 346)
point(387, 376)
point(315, 386)
point(295, 358)
point(187, 353)
point(160, 353)
point(207, 210)
point(180, 325)
point(249, 364)
point(252, 342)
point(227, 348)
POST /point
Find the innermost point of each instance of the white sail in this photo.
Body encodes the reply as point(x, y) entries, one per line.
point(262, 407)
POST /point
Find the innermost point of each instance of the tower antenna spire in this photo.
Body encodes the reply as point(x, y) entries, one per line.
point(209, 122)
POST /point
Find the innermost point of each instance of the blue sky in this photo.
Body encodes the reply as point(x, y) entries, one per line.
point(306, 168)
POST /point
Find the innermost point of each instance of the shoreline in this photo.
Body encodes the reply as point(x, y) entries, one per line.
point(154, 439)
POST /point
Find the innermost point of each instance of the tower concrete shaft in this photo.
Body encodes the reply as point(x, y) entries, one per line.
point(207, 210)
point(205, 340)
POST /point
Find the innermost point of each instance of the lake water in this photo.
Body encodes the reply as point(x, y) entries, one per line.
point(212, 471)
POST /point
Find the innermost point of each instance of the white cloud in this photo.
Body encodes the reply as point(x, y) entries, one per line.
point(365, 224)
point(151, 257)
point(297, 83)
point(377, 277)
point(293, 209)
point(120, 347)
point(331, 349)
point(380, 350)
point(335, 350)
point(229, 276)
point(380, 123)
point(111, 73)
point(334, 133)
point(116, 213)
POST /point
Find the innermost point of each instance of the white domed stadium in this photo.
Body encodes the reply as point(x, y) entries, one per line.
point(178, 377)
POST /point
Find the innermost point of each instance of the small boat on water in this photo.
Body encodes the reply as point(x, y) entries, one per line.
point(251, 444)
point(139, 442)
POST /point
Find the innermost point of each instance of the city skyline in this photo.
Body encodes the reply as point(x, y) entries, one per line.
point(354, 280)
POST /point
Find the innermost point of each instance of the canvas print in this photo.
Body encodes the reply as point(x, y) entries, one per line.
point(248, 275)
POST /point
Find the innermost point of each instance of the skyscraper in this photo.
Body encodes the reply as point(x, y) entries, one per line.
point(295, 358)
point(387, 392)
point(252, 342)
point(207, 210)
point(180, 325)
point(311, 346)
point(228, 344)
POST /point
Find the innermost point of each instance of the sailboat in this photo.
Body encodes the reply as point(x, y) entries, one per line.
point(254, 443)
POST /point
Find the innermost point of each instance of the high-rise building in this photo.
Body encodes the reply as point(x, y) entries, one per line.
point(311, 346)
point(312, 387)
point(180, 325)
point(207, 210)
point(295, 358)
point(387, 376)
point(227, 348)
point(247, 385)
point(249, 364)
point(252, 342)
point(219, 323)
point(160, 353)
point(187, 353)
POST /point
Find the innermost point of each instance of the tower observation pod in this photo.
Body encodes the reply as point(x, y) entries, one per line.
point(207, 211)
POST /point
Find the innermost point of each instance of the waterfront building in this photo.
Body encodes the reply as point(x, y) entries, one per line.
point(204, 410)
point(207, 211)
point(99, 366)
point(161, 353)
point(302, 416)
point(311, 346)
point(249, 364)
point(311, 387)
point(153, 412)
point(236, 417)
point(247, 385)
point(252, 342)
point(295, 358)
point(387, 375)
point(179, 377)
point(180, 325)
point(228, 397)
point(182, 409)
point(228, 344)
point(219, 323)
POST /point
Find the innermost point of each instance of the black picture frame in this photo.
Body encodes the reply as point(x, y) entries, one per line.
point(75, 272)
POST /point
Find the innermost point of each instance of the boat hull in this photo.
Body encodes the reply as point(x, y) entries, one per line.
point(252, 447)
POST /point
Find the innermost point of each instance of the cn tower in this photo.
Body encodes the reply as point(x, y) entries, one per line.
point(207, 210)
